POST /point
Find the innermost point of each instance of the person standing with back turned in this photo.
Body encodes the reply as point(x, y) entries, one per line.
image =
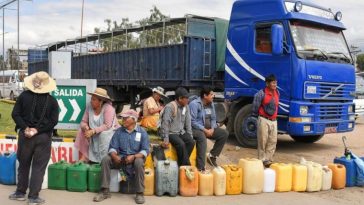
point(35, 114)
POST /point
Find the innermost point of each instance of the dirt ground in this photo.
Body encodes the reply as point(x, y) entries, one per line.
point(323, 152)
point(288, 151)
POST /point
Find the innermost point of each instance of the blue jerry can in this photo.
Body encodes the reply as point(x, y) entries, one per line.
point(7, 168)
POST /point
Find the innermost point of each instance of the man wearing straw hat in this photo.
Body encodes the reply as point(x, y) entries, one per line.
point(35, 114)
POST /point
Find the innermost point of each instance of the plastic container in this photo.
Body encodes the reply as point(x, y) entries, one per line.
point(114, 180)
point(206, 183)
point(269, 180)
point(219, 181)
point(283, 176)
point(338, 175)
point(314, 176)
point(94, 178)
point(77, 177)
point(171, 154)
point(8, 168)
point(234, 177)
point(350, 167)
point(166, 178)
point(253, 175)
point(326, 178)
point(128, 186)
point(299, 177)
point(188, 181)
point(57, 175)
point(149, 182)
point(149, 162)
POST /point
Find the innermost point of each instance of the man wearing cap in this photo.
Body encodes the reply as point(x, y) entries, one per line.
point(128, 149)
point(176, 127)
point(265, 106)
point(151, 109)
point(35, 114)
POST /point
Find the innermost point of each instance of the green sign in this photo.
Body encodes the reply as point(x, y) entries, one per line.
point(72, 103)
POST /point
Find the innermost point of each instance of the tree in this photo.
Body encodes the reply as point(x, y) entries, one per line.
point(360, 62)
point(154, 37)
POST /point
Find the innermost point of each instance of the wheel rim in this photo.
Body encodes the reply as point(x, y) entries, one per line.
point(249, 128)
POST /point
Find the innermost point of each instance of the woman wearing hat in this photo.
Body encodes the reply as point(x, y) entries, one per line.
point(151, 109)
point(35, 114)
point(97, 127)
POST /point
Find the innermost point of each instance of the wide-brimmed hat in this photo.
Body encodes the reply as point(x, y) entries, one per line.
point(130, 113)
point(102, 94)
point(40, 82)
point(159, 90)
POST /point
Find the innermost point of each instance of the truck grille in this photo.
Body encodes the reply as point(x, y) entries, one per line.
point(329, 91)
point(331, 112)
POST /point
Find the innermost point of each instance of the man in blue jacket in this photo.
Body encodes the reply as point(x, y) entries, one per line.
point(203, 120)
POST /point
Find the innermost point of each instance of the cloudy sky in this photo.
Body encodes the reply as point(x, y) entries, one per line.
point(47, 21)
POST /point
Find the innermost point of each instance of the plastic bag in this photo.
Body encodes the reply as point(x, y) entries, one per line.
point(359, 170)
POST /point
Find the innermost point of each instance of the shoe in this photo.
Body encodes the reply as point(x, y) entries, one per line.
point(267, 163)
point(102, 196)
point(17, 196)
point(35, 201)
point(139, 198)
point(211, 160)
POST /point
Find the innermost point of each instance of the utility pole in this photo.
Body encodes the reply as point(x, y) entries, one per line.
point(3, 65)
point(83, 4)
point(18, 59)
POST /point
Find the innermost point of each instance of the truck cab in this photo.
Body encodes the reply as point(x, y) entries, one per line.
point(303, 45)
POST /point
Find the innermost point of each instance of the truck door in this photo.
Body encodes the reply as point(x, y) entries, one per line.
point(265, 63)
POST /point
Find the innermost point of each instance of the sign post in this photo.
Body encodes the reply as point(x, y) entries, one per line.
point(72, 98)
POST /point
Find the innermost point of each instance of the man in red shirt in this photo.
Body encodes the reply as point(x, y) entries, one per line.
point(265, 106)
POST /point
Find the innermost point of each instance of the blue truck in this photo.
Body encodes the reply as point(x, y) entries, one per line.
point(301, 43)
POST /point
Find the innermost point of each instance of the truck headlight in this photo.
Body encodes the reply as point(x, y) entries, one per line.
point(352, 117)
point(351, 108)
point(300, 119)
point(303, 110)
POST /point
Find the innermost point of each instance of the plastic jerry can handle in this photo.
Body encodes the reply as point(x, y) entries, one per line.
point(167, 162)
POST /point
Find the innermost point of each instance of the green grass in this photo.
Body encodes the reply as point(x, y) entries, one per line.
point(7, 124)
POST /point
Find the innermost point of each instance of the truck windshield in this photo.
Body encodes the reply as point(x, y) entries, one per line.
point(320, 43)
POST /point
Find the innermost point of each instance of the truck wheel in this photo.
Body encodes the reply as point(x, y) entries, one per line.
point(307, 139)
point(245, 127)
point(12, 97)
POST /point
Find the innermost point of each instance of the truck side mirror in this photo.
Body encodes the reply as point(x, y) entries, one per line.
point(277, 39)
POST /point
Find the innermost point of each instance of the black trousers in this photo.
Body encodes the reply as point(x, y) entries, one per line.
point(184, 146)
point(220, 136)
point(35, 151)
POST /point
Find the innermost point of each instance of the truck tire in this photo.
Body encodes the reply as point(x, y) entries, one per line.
point(307, 139)
point(245, 127)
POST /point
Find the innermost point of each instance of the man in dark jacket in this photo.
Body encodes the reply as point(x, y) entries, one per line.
point(35, 114)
